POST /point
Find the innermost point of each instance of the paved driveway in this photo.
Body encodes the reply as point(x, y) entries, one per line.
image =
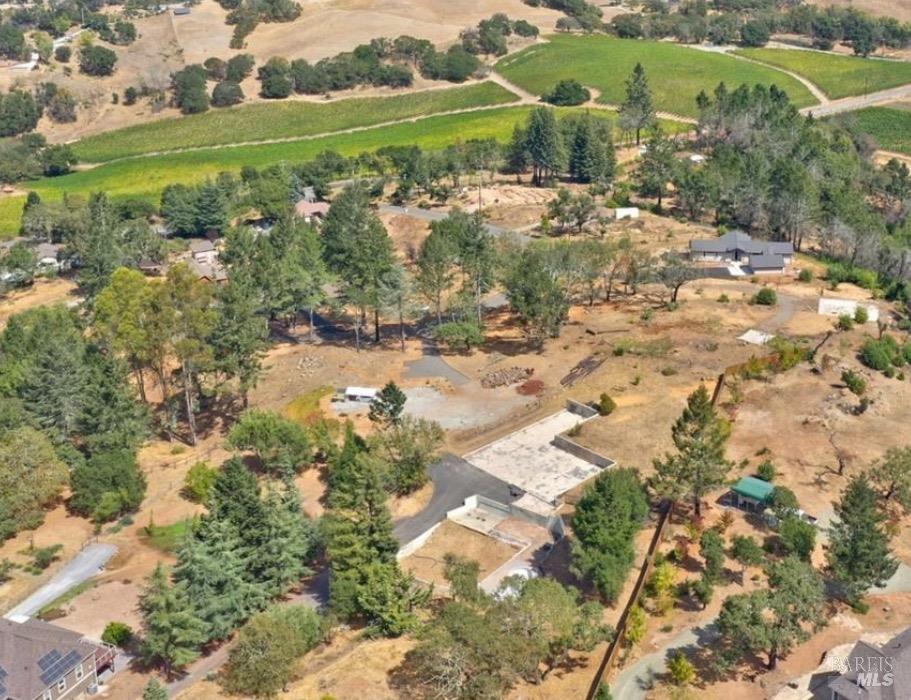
point(82, 567)
point(454, 480)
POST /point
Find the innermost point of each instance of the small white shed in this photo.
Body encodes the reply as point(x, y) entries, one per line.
point(360, 393)
point(626, 213)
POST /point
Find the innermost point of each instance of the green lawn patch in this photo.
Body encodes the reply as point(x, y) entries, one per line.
point(166, 538)
point(275, 120)
point(676, 73)
point(305, 408)
point(10, 215)
point(889, 127)
point(837, 76)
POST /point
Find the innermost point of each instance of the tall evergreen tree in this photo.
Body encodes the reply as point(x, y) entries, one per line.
point(436, 268)
point(637, 112)
point(239, 335)
point(288, 542)
point(212, 569)
point(171, 633)
point(544, 145)
point(357, 247)
point(859, 553)
point(700, 464)
point(591, 151)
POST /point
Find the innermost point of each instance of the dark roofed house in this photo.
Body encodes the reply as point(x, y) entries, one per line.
point(39, 661)
point(739, 247)
point(876, 673)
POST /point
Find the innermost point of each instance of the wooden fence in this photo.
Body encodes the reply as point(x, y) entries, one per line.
point(613, 649)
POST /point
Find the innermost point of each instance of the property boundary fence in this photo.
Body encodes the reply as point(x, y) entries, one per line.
point(611, 654)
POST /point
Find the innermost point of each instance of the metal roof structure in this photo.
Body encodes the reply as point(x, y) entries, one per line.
point(753, 488)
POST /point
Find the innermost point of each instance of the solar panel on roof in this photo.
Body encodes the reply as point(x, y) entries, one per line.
point(49, 659)
point(60, 668)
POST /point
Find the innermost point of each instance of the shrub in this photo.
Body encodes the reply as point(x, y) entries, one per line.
point(755, 33)
point(861, 315)
point(805, 275)
point(606, 405)
point(63, 54)
point(43, 557)
point(117, 633)
point(855, 383)
point(130, 96)
point(723, 299)
point(107, 485)
point(239, 67)
point(97, 60)
point(568, 93)
point(681, 669)
point(459, 335)
point(883, 354)
point(765, 297)
point(845, 322)
point(199, 481)
point(766, 471)
point(226, 94)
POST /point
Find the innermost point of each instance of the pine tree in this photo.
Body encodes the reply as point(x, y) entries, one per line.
point(544, 145)
point(288, 545)
point(859, 552)
point(357, 247)
point(235, 499)
point(700, 464)
point(212, 570)
point(637, 112)
point(435, 268)
point(239, 336)
point(172, 634)
point(592, 157)
point(358, 526)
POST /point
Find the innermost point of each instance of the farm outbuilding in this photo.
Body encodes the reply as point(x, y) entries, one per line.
point(752, 494)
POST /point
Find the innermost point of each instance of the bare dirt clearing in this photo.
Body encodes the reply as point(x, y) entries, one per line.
point(43, 292)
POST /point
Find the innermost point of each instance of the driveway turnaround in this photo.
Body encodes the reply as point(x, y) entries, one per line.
point(82, 567)
point(454, 480)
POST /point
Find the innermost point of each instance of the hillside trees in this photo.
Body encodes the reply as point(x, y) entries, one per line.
point(281, 445)
point(537, 294)
point(97, 60)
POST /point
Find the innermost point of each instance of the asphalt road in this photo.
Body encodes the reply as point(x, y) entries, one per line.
point(82, 567)
point(454, 480)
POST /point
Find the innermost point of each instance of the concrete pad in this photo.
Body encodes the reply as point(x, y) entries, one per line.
point(841, 307)
point(754, 337)
point(482, 519)
point(528, 460)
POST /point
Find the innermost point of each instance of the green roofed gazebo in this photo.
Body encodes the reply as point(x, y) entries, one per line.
point(751, 493)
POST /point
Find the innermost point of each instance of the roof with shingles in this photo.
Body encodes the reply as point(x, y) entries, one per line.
point(34, 655)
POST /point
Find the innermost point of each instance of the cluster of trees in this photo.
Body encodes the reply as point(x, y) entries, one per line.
point(21, 109)
point(114, 31)
point(480, 646)
point(382, 62)
point(580, 14)
point(779, 175)
point(31, 156)
point(606, 520)
point(491, 35)
point(69, 415)
point(366, 582)
point(752, 24)
point(578, 145)
point(251, 547)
